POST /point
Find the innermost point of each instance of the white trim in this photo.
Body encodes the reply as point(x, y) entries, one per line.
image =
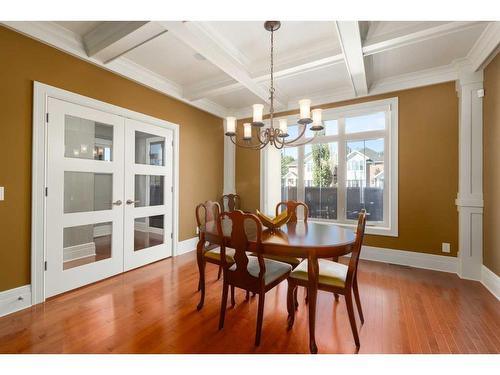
point(187, 246)
point(54, 35)
point(16, 299)
point(410, 259)
point(486, 46)
point(83, 250)
point(229, 164)
point(491, 281)
point(41, 93)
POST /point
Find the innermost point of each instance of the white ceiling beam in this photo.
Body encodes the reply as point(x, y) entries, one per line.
point(208, 44)
point(218, 87)
point(350, 41)
point(406, 37)
point(112, 39)
point(486, 46)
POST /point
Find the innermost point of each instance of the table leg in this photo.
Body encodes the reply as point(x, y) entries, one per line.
point(313, 271)
point(201, 268)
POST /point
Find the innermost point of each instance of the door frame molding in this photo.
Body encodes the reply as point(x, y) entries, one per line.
point(41, 93)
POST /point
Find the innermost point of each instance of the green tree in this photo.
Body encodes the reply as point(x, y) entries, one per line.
point(322, 173)
point(285, 162)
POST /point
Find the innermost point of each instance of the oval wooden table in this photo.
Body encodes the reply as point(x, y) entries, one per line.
point(306, 240)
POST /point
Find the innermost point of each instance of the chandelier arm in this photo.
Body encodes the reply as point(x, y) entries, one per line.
point(253, 147)
point(302, 132)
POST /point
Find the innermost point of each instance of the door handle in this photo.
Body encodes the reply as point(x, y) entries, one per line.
point(130, 201)
point(117, 203)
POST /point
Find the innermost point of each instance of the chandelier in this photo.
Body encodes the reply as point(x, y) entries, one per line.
point(275, 136)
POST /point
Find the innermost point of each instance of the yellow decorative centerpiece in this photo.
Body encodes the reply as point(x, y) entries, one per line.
point(275, 223)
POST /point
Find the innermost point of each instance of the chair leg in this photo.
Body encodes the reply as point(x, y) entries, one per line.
point(336, 296)
point(352, 318)
point(233, 302)
point(247, 295)
point(358, 300)
point(201, 283)
point(296, 300)
point(219, 273)
point(223, 304)
point(291, 303)
point(306, 300)
point(260, 316)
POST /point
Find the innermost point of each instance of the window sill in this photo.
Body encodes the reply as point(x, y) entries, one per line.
point(369, 229)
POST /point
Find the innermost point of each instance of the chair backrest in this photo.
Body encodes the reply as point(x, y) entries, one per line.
point(230, 202)
point(292, 207)
point(207, 211)
point(240, 227)
point(356, 251)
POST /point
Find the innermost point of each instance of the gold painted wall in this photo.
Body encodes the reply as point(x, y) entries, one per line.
point(428, 170)
point(24, 60)
point(491, 157)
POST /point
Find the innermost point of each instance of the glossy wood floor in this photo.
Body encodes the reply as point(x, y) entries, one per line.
point(153, 310)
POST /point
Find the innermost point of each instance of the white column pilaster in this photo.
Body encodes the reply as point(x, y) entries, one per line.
point(229, 165)
point(470, 186)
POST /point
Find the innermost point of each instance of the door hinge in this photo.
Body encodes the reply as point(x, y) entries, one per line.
point(171, 235)
point(172, 143)
point(47, 117)
point(172, 189)
point(46, 191)
point(45, 266)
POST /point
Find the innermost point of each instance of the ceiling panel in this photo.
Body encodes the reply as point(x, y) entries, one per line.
point(308, 84)
point(237, 99)
point(424, 55)
point(169, 57)
point(79, 27)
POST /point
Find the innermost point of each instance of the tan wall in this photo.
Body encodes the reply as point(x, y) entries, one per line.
point(428, 170)
point(491, 177)
point(22, 61)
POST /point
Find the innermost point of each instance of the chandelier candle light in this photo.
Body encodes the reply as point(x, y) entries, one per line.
point(278, 137)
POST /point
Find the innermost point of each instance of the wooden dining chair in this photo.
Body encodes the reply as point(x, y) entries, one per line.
point(208, 253)
point(332, 277)
point(230, 202)
point(252, 273)
point(293, 207)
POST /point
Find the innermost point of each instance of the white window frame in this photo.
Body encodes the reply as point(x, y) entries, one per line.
point(390, 134)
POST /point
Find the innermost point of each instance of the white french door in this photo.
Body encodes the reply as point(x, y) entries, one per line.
point(109, 198)
point(148, 192)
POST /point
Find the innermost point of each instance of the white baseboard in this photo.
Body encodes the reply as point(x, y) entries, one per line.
point(491, 281)
point(186, 246)
point(410, 258)
point(103, 230)
point(16, 299)
point(78, 251)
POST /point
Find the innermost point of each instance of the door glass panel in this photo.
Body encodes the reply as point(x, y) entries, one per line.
point(320, 180)
point(87, 191)
point(87, 139)
point(149, 149)
point(86, 244)
point(365, 179)
point(148, 190)
point(148, 232)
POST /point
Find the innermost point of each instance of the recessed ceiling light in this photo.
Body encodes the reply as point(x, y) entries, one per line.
point(199, 56)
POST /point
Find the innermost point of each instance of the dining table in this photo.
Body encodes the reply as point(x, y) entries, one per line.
point(302, 239)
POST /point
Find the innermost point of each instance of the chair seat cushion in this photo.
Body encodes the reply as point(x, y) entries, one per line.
point(330, 273)
point(274, 269)
point(214, 254)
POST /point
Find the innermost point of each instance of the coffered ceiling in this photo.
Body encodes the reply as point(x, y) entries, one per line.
point(223, 67)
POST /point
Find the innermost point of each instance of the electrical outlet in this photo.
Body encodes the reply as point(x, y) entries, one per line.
point(445, 247)
point(197, 230)
point(2, 193)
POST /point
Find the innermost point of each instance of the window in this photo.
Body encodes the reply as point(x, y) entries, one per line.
point(349, 166)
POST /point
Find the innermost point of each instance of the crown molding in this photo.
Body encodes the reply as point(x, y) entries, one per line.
point(486, 46)
point(54, 35)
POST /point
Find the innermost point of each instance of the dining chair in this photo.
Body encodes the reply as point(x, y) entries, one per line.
point(210, 253)
point(254, 274)
point(332, 277)
point(293, 208)
point(230, 202)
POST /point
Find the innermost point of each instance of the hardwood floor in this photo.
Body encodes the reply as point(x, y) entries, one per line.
point(153, 310)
